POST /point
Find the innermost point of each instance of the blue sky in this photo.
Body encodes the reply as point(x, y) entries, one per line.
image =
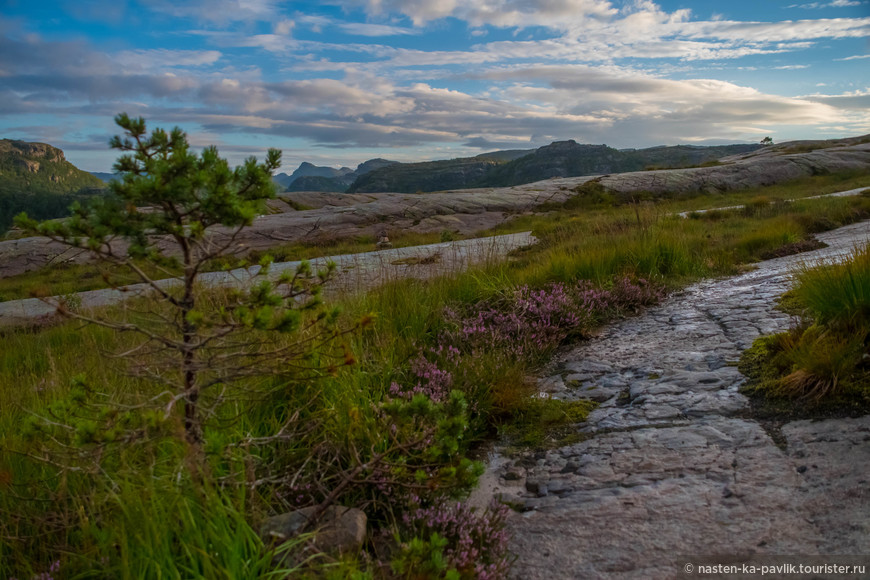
point(342, 81)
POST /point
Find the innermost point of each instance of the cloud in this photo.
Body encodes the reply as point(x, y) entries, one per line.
point(161, 58)
point(220, 12)
point(855, 57)
point(562, 81)
point(284, 27)
point(367, 29)
point(503, 13)
point(820, 5)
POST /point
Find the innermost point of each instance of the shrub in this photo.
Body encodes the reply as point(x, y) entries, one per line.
point(453, 541)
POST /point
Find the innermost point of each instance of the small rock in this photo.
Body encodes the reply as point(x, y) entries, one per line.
point(570, 467)
point(802, 469)
point(536, 487)
point(339, 529)
point(512, 476)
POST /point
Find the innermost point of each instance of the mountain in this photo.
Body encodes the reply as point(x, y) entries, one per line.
point(282, 180)
point(679, 156)
point(372, 164)
point(36, 178)
point(104, 177)
point(506, 155)
point(317, 183)
point(428, 176)
point(570, 159)
point(309, 177)
point(561, 159)
point(31, 168)
point(306, 169)
point(518, 166)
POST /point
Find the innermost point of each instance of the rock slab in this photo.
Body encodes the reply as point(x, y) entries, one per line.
point(673, 465)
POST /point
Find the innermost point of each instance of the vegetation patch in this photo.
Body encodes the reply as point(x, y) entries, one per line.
point(821, 366)
point(546, 423)
point(433, 258)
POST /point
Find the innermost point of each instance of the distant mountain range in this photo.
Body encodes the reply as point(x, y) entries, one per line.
point(104, 177)
point(559, 159)
point(40, 168)
point(310, 177)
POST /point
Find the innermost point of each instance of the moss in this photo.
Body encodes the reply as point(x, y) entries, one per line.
point(546, 424)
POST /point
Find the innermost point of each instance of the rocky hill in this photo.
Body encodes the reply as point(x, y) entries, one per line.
point(310, 177)
point(516, 167)
point(570, 159)
point(31, 168)
point(318, 183)
point(36, 178)
point(424, 177)
point(562, 159)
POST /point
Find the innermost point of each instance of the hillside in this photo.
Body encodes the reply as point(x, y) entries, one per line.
point(562, 159)
point(36, 178)
point(427, 176)
point(312, 178)
point(318, 183)
point(29, 168)
point(570, 159)
point(517, 167)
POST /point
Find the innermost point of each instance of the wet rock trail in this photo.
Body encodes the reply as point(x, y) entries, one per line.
point(673, 464)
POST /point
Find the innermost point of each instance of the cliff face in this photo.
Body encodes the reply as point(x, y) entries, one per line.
point(35, 168)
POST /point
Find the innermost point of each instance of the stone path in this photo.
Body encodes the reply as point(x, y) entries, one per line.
point(672, 466)
point(354, 272)
point(847, 193)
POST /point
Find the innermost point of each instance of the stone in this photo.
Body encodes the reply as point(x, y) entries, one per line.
point(536, 487)
point(339, 529)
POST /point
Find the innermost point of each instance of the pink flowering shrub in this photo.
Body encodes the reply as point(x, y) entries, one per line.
point(454, 541)
point(532, 322)
point(431, 371)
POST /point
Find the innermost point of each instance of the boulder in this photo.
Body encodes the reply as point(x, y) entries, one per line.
point(338, 529)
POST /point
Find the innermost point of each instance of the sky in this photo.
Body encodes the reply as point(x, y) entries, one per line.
point(342, 81)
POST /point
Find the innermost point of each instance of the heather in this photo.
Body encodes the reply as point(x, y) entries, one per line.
point(453, 540)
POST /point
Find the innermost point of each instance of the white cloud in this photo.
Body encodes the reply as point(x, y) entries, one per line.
point(283, 27)
point(219, 11)
point(162, 58)
point(855, 57)
point(505, 13)
point(820, 5)
point(367, 29)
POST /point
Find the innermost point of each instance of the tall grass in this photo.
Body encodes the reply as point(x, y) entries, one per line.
point(824, 356)
point(838, 294)
point(141, 515)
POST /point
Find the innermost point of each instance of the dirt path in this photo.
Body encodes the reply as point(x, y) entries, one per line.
point(673, 466)
point(354, 272)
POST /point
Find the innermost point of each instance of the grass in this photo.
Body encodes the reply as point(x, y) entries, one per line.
point(143, 508)
point(820, 365)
